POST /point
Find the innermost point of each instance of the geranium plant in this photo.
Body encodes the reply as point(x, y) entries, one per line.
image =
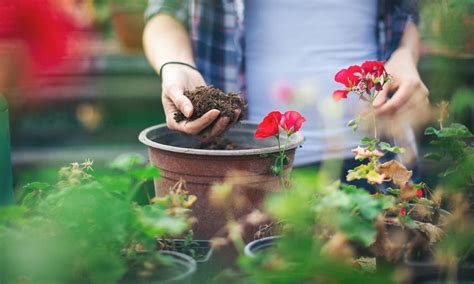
point(272, 126)
point(411, 207)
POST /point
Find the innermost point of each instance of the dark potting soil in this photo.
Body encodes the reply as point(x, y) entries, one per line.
point(220, 143)
point(206, 98)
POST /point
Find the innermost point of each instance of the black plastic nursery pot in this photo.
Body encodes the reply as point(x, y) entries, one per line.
point(423, 269)
point(256, 247)
point(200, 250)
point(437, 217)
point(178, 268)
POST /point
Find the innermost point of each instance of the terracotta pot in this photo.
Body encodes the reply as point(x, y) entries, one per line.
point(176, 156)
point(128, 25)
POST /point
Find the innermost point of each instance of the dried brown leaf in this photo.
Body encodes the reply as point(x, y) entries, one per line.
point(408, 192)
point(397, 172)
point(433, 232)
point(338, 248)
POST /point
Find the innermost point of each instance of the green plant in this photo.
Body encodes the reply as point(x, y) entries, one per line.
point(453, 144)
point(320, 220)
point(86, 228)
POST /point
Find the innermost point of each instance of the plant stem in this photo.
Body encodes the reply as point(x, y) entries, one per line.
point(135, 189)
point(372, 110)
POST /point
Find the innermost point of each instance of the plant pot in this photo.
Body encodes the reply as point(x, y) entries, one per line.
point(255, 247)
point(177, 157)
point(200, 250)
point(424, 269)
point(414, 239)
point(180, 269)
point(128, 25)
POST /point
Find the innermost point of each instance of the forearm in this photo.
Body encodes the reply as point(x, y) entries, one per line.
point(166, 39)
point(410, 42)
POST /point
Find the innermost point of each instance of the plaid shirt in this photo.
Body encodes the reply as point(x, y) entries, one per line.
point(216, 28)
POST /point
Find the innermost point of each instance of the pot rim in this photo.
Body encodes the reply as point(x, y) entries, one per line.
point(180, 259)
point(296, 140)
point(249, 249)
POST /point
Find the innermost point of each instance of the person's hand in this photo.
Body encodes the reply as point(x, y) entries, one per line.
point(176, 79)
point(410, 96)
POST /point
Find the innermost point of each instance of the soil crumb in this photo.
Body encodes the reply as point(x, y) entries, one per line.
point(206, 98)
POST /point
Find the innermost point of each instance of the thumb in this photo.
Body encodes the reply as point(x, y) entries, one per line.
point(182, 103)
point(382, 96)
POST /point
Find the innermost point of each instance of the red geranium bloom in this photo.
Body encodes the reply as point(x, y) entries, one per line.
point(375, 68)
point(339, 94)
point(350, 77)
point(419, 193)
point(403, 212)
point(269, 126)
point(291, 121)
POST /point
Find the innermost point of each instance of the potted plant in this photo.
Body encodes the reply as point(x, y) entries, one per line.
point(126, 18)
point(87, 228)
point(255, 166)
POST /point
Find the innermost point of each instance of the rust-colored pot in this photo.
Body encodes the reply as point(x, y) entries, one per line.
point(176, 156)
point(128, 26)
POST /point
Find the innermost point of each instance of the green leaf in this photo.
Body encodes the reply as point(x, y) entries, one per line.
point(408, 221)
point(455, 130)
point(36, 186)
point(434, 156)
point(126, 162)
point(384, 146)
point(431, 131)
point(148, 172)
point(11, 213)
point(366, 141)
point(394, 191)
point(354, 123)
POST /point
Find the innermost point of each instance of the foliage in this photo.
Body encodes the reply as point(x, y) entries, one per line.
point(320, 221)
point(85, 228)
point(453, 143)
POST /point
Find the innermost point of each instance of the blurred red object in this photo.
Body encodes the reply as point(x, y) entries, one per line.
point(41, 26)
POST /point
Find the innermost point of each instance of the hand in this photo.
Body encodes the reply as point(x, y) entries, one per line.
point(410, 99)
point(176, 79)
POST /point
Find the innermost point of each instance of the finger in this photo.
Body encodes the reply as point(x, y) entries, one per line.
point(195, 126)
point(182, 103)
point(382, 96)
point(217, 129)
point(237, 113)
point(400, 98)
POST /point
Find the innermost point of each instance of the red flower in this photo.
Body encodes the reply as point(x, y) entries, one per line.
point(291, 121)
point(269, 126)
point(339, 94)
point(419, 193)
point(374, 68)
point(42, 25)
point(403, 212)
point(350, 77)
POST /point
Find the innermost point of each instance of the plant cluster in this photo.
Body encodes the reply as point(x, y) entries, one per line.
point(87, 227)
point(332, 231)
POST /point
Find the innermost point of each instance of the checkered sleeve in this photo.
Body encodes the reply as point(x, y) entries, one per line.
point(410, 9)
point(175, 8)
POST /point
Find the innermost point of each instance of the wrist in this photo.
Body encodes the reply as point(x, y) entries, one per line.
point(176, 65)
